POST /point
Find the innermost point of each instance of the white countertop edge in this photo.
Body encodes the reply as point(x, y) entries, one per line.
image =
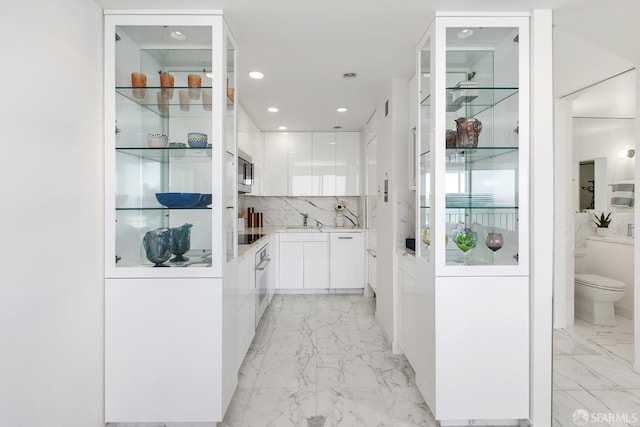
point(623, 240)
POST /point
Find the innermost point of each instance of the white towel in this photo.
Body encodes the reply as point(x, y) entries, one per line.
point(623, 194)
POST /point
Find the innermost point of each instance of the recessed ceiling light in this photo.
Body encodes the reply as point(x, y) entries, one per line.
point(178, 35)
point(272, 110)
point(282, 128)
point(467, 32)
point(256, 75)
point(342, 109)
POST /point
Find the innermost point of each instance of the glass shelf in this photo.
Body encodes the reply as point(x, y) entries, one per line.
point(162, 154)
point(478, 99)
point(160, 208)
point(470, 155)
point(196, 258)
point(489, 208)
point(152, 99)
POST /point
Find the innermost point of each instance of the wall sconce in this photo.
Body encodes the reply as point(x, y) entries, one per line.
point(624, 153)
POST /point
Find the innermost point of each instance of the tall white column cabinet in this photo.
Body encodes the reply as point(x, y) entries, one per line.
point(466, 316)
point(170, 215)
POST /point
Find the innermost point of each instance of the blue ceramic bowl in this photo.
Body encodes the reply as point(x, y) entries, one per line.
point(197, 144)
point(197, 139)
point(205, 200)
point(178, 200)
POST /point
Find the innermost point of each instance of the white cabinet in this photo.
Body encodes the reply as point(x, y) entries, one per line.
point(324, 164)
point(300, 159)
point(303, 261)
point(409, 328)
point(466, 317)
point(246, 305)
point(291, 265)
point(311, 164)
point(347, 260)
point(275, 175)
point(170, 342)
point(347, 164)
point(316, 265)
point(163, 349)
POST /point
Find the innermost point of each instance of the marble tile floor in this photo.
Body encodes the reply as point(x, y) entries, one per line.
point(322, 361)
point(592, 372)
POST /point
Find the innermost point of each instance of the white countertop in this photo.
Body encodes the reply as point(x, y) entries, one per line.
point(270, 231)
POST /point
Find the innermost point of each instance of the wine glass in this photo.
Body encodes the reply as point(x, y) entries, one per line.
point(465, 240)
point(494, 241)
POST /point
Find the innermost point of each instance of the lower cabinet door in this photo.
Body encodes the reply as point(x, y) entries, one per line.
point(482, 348)
point(316, 265)
point(347, 260)
point(163, 358)
point(291, 266)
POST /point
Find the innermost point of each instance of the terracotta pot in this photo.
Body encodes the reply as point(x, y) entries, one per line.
point(166, 82)
point(139, 80)
point(195, 82)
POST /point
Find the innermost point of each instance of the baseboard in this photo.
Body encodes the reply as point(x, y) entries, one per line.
point(623, 312)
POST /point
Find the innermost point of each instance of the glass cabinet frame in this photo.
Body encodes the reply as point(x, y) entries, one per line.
point(176, 167)
point(500, 99)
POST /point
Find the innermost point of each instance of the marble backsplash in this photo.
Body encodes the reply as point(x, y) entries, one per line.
point(289, 210)
point(585, 227)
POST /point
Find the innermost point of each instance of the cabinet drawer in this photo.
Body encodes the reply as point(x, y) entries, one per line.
point(304, 237)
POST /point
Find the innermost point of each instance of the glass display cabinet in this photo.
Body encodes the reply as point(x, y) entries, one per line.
point(170, 208)
point(473, 107)
point(171, 155)
point(472, 293)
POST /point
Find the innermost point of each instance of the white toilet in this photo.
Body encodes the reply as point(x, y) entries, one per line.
point(595, 296)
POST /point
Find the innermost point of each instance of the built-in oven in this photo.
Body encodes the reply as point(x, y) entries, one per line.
point(245, 172)
point(263, 261)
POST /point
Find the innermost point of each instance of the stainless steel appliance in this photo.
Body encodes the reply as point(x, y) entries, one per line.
point(245, 172)
point(263, 259)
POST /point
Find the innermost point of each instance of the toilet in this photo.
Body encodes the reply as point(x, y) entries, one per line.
point(595, 296)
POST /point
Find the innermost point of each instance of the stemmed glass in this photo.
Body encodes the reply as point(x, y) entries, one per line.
point(494, 241)
point(465, 240)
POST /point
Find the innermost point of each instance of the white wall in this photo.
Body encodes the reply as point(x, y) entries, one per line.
point(51, 169)
point(393, 225)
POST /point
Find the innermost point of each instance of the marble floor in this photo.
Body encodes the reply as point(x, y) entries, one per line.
point(592, 376)
point(322, 361)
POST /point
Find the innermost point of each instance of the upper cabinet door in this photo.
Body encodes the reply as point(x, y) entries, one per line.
point(275, 176)
point(348, 164)
point(300, 161)
point(324, 164)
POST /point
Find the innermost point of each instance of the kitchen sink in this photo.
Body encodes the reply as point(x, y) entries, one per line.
point(299, 228)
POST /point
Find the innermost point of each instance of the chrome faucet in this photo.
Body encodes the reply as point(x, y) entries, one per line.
point(305, 217)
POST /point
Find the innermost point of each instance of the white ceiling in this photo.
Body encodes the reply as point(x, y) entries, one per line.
point(303, 47)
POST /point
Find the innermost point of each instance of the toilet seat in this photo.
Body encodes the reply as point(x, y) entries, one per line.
point(600, 282)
